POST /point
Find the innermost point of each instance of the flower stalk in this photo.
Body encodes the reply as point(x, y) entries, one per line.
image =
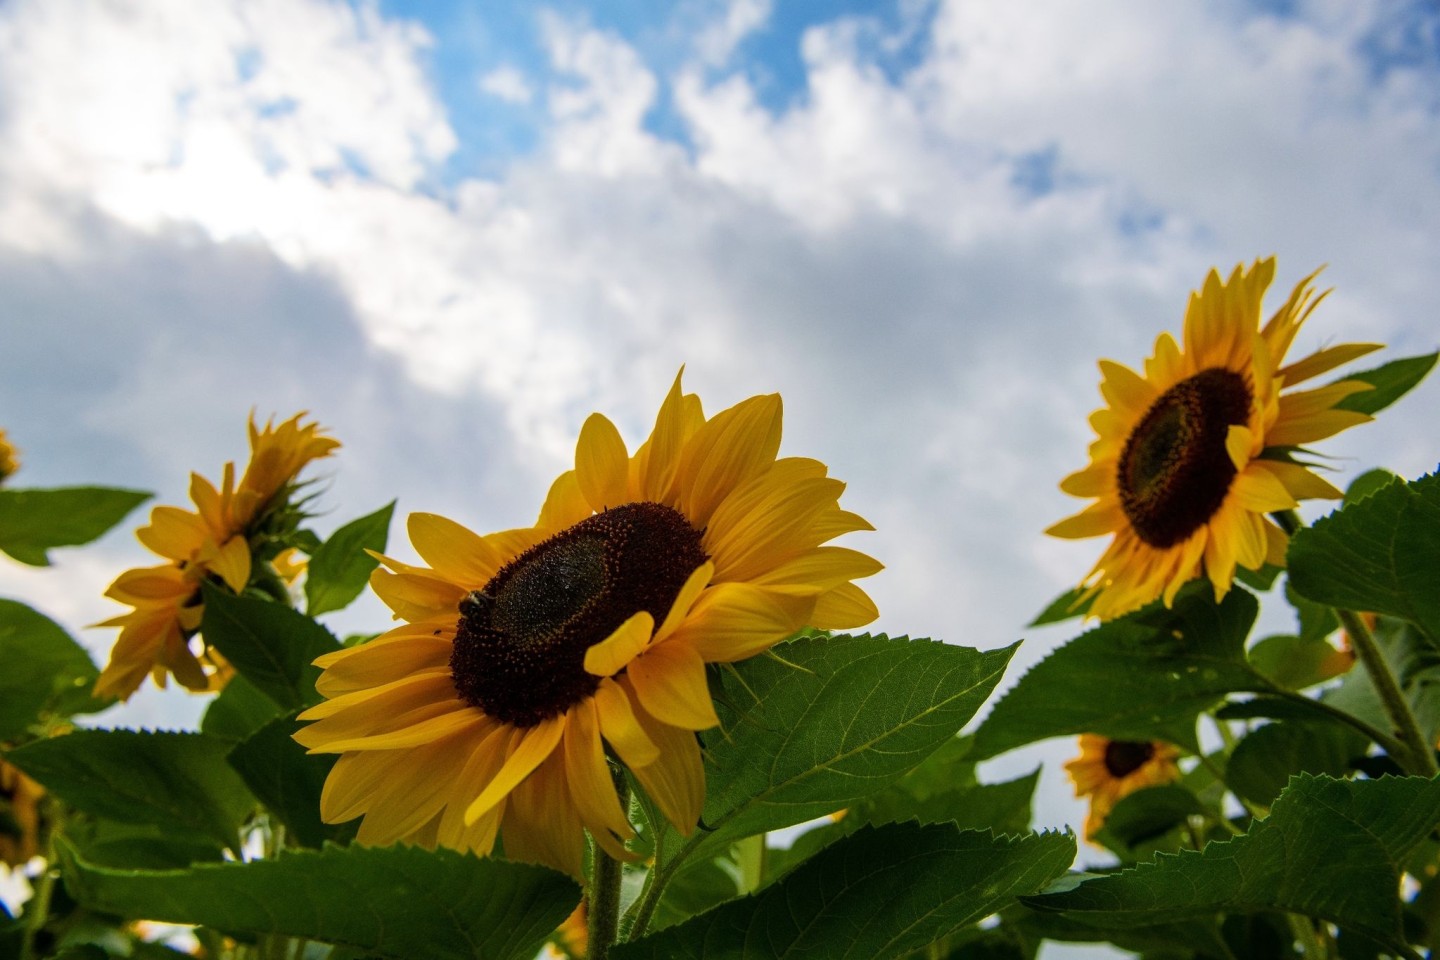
point(606, 875)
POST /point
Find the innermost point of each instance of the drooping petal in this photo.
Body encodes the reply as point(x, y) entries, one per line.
point(528, 749)
point(611, 655)
point(669, 680)
point(618, 724)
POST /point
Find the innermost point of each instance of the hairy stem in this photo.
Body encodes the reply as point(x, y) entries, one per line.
point(604, 892)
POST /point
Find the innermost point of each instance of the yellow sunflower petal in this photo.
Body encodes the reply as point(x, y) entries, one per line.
point(669, 680)
point(1298, 479)
point(820, 569)
point(1090, 482)
point(591, 787)
point(1095, 520)
point(173, 533)
point(690, 591)
point(565, 506)
point(528, 749)
point(543, 826)
point(233, 563)
point(601, 464)
point(1124, 389)
point(658, 459)
point(611, 655)
point(727, 451)
point(456, 553)
point(676, 779)
point(1259, 490)
point(733, 621)
point(618, 724)
point(1323, 361)
point(416, 597)
point(844, 608)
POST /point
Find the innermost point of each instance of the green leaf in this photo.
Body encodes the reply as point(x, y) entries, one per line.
point(340, 568)
point(1263, 762)
point(288, 781)
point(1331, 849)
point(389, 901)
point(177, 780)
point(1141, 818)
point(1391, 382)
point(33, 521)
point(1367, 483)
point(882, 892)
point(1380, 554)
point(842, 719)
point(1067, 606)
point(1414, 660)
point(238, 711)
point(1144, 676)
point(137, 846)
point(269, 644)
point(45, 671)
point(1294, 663)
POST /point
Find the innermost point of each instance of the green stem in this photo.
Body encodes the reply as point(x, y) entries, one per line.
point(1303, 930)
point(1388, 743)
point(1419, 757)
point(603, 909)
point(37, 911)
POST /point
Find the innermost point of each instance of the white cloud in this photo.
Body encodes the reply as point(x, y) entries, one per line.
point(716, 43)
point(508, 84)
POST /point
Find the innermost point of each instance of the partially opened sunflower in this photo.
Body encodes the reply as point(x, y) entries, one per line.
point(215, 542)
point(1190, 456)
point(1108, 770)
point(526, 653)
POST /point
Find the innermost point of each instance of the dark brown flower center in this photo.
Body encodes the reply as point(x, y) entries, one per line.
point(1124, 757)
point(520, 644)
point(1175, 470)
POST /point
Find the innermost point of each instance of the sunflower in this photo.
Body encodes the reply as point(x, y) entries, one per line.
point(526, 652)
point(9, 457)
point(1107, 770)
point(217, 542)
point(1192, 455)
point(20, 807)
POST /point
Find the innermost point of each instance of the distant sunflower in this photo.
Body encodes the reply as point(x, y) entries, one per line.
point(1190, 457)
point(9, 457)
point(215, 542)
point(20, 826)
point(1107, 770)
point(527, 651)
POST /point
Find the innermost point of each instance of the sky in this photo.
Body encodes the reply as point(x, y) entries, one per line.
point(451, 231)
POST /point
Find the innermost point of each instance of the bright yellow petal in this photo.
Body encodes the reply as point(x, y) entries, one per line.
point(676, 780)
point(542, 826)
point(173, 533)
point(416, 597)
point(726, 452)
point(733, 621)
point(820, 569)
point(1323, 361)
point(1094, 521)
point(614, 653)
point(620, 727)
point(233, 563)
point(670, 681)
point(587, 776)
point(528, 748)
point(658, 459)
point(456, 553)
point(1301, 483)
point(1260, 491)
point(602, 467)
point(844, 608)
point(565, 506)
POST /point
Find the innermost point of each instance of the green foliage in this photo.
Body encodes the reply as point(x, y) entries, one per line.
point(1143, 676)
point(1294, 663)
point(238, 711)
point(882, 892)
point(175, 780)
point(1067, 606)
point(34, 521)
point(1263, 762)
point(270, 645)
point(1390, 381)
point(842, 718)
point(340, 567)
point(46, 672)
point(1138, 822)
point(1379, 554)
point(1330, 849)
point(288, 781)
point(389, 902)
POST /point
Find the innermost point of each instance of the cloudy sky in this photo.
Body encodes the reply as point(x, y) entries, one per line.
point(453, 230)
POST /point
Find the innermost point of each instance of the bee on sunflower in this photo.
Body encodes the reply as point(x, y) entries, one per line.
point(1190, 456)
point(232, 531)
point(528, 655)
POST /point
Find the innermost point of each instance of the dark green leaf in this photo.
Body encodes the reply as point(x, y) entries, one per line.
point(137, 846)
point(881, 892)
point(33, 521)
point(1330, 849)
point(288, 781)
point(176, 780)
point(1265, 759)
point(1144, 676)
point(1142, 817)
point(269, 644)
point(391, 901)
point(45, 671)
point(340, 568)
point(1391, 382)
point(1379, 554)
point(1259, 580)
point(841, 720)
point(1067, 606)
point(238, 711)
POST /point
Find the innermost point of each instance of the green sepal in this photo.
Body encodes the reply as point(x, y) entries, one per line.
point(34, 521)
point(398, 901)
point(1391, 381)
point(340, 567)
